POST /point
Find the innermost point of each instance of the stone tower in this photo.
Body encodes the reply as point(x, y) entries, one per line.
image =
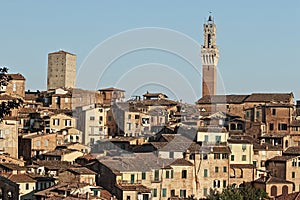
point(209, 57)
point(61, 70)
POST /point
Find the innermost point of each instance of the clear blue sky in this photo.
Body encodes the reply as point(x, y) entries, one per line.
point(259, 41)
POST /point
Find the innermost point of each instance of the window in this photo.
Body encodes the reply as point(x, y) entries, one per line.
point(218, 138)
point(55, 122)
point(167, 174)
point(38, 143)
point(205, 173)
point(257, 113)
point(132, 178)
point(244, 158)
point(129, 116)
point(271, 127)
point(27, 186)
point(46, 143)
point(101, 118)
point(224, 156)
point(143, 175)
point(129, 126)
point(273, 111)
point(184, 174)
point(224, 184)
point(274, 191)
point(247, 114)
point(254, 163)
point(1, 133)
point(244, 147)
point(154, 192)
point(217, 183)
point(216, 156)
point(282, 127)
point(156, 175)
point(293, 175)
point(205, 138)
point(262, 163)
point(92, 141)
point(101, 110)
point(164, 192)
point(68, 122)
point(216, 169)
point(224, 169)
point(136, 117)
point(205, 191)
point(171, 154)
point(172, 174)
point(92, 118)
point(172, 193)
point(182, 193)
point(14, 87)
point(232, 158)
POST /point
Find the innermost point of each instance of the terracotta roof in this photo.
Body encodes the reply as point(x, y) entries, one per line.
point(281, 158)
point(158, 102)
point(181, 162)
point(16, 76)
point(212, 129)
point(270, 97)
point(6, 97)
point(255, 97)
point(291, 196)
point(221, 149)
point(134, 187)
point(292, 150)
point(12, 166)
point(295, 123)
point(272, 180)
point(266, 147)
point(31, 97)
point(88, 157)
point(231, 99)
point(61, 52)
point(59, 152)
point(154, 95)
point(53, 164)
point(136, 162)
point(81, 170)
point(21, 178)
point(111, 89)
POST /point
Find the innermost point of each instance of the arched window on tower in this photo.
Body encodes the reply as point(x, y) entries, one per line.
point(208, 40)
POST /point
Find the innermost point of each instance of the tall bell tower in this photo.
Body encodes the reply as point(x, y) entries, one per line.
point(209, 58)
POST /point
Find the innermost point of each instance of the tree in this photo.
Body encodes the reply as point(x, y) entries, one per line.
point(247, 192)
point(7, 105)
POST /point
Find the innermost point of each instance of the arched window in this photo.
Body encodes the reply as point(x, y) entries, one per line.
point(239, 126)
point(285, 189)
point(273, 191)
point(232, 127)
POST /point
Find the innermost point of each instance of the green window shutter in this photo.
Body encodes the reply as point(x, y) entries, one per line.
point(164, 192)
point(205, 173)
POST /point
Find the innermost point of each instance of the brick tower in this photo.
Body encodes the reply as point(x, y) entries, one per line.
point(209, 57)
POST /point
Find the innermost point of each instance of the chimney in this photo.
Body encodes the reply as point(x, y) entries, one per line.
point(187, 154)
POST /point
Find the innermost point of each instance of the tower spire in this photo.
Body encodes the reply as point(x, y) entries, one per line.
point(209, 58)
